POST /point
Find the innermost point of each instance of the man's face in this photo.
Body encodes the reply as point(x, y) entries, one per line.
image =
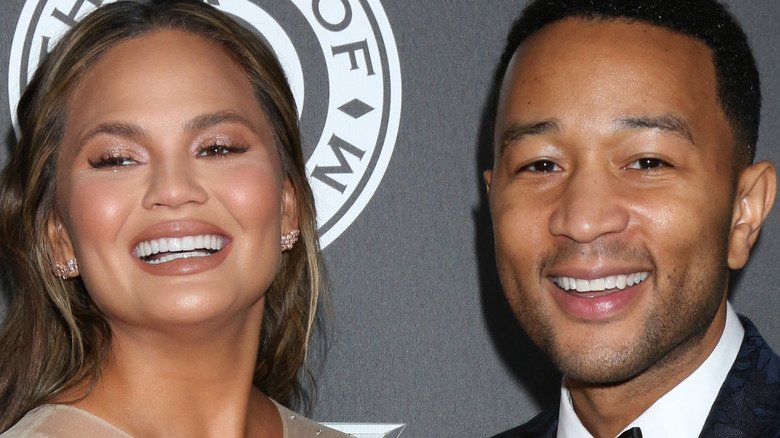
point(612, 196)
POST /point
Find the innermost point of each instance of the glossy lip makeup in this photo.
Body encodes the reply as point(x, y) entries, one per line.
point(180, 247)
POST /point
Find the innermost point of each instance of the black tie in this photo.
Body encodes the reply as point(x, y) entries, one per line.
point(634, 432)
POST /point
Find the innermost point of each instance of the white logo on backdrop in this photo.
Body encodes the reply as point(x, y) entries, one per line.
point(354, 73)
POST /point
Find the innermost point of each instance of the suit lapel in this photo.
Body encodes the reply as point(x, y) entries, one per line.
point(748, 404)
point(544, 425)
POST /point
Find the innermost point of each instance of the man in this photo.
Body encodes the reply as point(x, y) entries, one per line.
point(623, 191)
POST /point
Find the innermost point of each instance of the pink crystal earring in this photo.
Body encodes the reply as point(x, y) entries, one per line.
point(67, 270)
point(289, 239)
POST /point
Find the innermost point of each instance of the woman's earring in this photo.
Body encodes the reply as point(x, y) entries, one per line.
point(67, 270)
point(289, 239)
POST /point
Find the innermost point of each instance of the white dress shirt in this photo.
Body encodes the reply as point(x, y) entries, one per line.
point(682, 411)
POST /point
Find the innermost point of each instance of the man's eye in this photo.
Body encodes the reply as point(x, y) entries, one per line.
point(218, 151)
point(647, 164)
point(540, 166)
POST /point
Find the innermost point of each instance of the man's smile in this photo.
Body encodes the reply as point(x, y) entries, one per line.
point(618, 282)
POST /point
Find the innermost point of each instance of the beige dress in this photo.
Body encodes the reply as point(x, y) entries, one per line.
point(62, 421)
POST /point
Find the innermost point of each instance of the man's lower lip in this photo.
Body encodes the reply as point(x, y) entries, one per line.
point(186, 266)
point(602, 306)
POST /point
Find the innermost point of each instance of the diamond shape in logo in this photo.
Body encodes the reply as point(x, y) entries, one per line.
point(356, 108)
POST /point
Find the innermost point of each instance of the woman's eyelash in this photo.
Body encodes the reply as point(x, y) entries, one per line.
point(210, 151)
point(220, 150)
point(109, 160)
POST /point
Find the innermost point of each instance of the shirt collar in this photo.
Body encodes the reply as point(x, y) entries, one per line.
point(683, 410)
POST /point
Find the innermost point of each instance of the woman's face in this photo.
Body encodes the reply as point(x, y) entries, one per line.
point(169, 185)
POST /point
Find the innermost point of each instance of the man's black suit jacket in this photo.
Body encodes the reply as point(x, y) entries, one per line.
point(747, 406)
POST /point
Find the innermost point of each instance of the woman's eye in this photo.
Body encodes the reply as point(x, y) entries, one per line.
point(218, 151)
point(112, 161)
point(543, 166)
point(647, 164)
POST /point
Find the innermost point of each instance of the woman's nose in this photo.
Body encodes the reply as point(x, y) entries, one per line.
point(174, 185)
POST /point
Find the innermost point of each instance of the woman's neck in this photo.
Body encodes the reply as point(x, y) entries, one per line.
point(184, 381)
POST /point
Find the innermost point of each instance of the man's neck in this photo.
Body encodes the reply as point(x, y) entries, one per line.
point(605, 410)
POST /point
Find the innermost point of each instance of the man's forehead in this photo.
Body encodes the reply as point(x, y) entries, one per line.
point(562, 34)
point(591, 45)
point(605, 71)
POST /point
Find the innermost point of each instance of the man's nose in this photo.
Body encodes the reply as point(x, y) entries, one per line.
point(592, 203)
point(174, 184)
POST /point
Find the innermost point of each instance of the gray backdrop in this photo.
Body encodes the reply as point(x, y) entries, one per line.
point(420, 332)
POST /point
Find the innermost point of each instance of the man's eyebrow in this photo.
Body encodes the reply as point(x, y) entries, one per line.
point(670, 123)
point(517, 131)
point(117, 129)
point(204, 121)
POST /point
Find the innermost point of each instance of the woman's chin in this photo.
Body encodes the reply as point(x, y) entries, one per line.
point(192, 311)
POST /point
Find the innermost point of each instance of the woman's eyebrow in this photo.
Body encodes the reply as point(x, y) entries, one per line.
point(136, 132)
point(118, 129)
point(204, 121)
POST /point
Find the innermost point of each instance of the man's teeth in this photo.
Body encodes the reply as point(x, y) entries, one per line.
point(179, 247)
point(599, 284)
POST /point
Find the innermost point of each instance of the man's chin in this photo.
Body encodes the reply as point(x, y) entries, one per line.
point(600, 367)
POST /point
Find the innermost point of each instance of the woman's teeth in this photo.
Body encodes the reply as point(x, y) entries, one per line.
point(599, 284)
point(172, 248)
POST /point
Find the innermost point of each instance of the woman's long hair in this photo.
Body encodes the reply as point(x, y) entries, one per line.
point(53, 336)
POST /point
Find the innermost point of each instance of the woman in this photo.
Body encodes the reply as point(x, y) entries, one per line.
point(159, 162)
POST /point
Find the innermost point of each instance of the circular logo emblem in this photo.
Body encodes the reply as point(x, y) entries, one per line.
point(342, 64)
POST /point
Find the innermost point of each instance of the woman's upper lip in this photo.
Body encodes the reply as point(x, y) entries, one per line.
point(178, 228)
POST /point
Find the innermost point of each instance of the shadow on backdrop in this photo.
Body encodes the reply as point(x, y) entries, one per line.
point(530, 367)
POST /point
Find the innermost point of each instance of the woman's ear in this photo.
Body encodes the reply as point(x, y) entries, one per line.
point(756, 191)
point(289, 207)
point(61, 247)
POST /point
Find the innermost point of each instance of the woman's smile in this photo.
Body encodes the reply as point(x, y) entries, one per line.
point(181, 247)
point(166, 249)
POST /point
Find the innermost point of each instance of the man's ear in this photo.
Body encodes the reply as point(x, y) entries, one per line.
point(488, 176)
point(289, 207)
point(756, 191)
point(60, 244)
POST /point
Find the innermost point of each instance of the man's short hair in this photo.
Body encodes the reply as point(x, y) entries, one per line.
point(738, 85)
